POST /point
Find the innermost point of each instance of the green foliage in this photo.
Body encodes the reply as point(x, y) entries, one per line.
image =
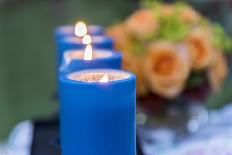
point(172, 28)
point(220, 39)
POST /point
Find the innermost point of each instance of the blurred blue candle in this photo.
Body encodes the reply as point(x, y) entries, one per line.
point(68, 30)
point(70, 37)
point(69, 43)
point(98, 112)
point(75, 60)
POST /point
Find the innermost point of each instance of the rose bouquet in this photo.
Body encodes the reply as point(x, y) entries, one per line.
point(171, 48)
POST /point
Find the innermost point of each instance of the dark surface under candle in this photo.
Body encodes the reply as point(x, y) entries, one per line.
point(98, 118)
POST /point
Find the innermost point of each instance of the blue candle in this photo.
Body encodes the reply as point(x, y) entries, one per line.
point(75, 60)
point(98, 112)
point(68, 30)
point(69, 43)
point(70, 37)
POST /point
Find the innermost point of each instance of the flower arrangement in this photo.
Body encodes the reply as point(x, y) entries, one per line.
point(166, 44)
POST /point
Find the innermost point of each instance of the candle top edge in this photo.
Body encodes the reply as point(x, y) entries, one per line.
point(69, 29)
point(97, 54)
point(72, 26)
point(94, 50)
point(95, 39)
point(95, 75)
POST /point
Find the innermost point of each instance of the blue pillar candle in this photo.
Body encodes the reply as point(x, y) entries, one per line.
point(68, 43)
point(98, 112)
point(73, 60)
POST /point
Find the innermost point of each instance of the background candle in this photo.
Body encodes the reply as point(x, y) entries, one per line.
point(73, 60)
point(98, 118)
point(68, 43)
point(68, 30)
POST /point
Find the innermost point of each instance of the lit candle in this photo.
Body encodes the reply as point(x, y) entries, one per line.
point(69, 30)
point(75, 60)
point(98, 112)
point(68, 43)
point(76, 41)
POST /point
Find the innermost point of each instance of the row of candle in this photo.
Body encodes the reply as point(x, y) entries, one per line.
point(97, 98)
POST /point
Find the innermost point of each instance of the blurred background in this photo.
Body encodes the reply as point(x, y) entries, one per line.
point(27, 50)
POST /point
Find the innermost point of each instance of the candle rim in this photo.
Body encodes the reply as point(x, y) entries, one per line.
point(68, 26)
point(131, 76)
point(75, 39)
point(113, 54)
point(65, 29)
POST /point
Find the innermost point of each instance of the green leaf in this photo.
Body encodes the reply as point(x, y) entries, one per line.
point(220, 39)
point(172, 28)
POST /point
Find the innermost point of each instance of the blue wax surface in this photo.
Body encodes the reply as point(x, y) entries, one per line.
point(98, 118)
point(99, 42)
point(114, 61)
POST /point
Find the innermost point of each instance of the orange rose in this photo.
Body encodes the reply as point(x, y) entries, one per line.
point(142, 24)
point(166, 69)
point(130, 62)
point(200, 49)
point(122, 42)
point(218, 70)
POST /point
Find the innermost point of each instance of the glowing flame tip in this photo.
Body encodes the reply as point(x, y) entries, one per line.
point(87, 39)
point(80, 29)
point(88, 55)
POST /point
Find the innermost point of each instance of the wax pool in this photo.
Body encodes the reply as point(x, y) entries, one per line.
point(73, 60)
point(98, 118)
point(70, 43)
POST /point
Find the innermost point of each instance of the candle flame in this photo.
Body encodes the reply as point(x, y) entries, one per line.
point(88, 55)
point(105, 78)
point(87, 39)
point(80, 29)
